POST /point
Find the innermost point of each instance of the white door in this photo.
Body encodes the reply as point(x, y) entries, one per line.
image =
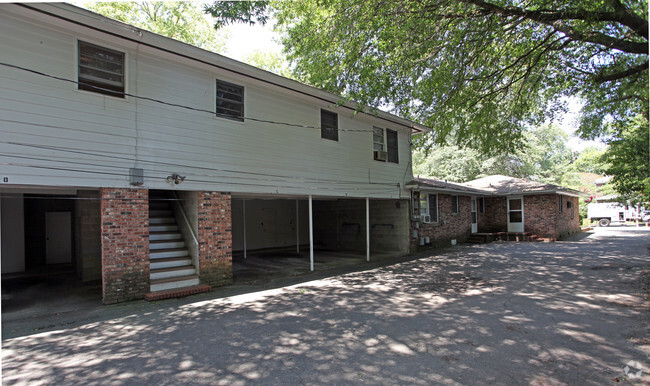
point(474, 216)
point(58, 237)
point(515, 214)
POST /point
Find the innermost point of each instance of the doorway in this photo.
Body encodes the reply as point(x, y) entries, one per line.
point(474, 216)
point(516, 214)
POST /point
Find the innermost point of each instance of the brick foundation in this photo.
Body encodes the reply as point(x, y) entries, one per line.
point(124, 244)
point(215, 238)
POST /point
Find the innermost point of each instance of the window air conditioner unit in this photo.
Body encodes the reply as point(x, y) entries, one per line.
point(426, 218)
point(380, 155)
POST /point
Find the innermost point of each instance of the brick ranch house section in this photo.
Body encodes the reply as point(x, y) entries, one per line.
point(443, 213)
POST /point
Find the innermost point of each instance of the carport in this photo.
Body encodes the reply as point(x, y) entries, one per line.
point(50, 248)
point(297, 233)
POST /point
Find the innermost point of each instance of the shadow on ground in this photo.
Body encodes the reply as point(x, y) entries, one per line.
point(504, 313)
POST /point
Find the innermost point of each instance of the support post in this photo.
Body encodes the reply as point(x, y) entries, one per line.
point(367, 229)
point(244, 222)
point(311, 235)
point(297, 227)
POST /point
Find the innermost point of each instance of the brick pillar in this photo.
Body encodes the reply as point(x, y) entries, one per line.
point(125, 244)
point(215, 238)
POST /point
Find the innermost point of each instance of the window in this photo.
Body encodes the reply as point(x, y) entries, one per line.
point(100, 70)
point(481, 205)
point(377, 139)
point(391, 146)
point(428, 207)
point(385, 142)
point(230, 101)
point(454, 204)
point(329, 125)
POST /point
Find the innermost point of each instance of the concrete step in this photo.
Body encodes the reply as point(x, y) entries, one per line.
point(157, 236)
point(165, 273)
point(163, 228)
point(177, 292)
point(171, 252)
point(160, 213)
point(171, 283)
point(162, 220)
point(157, 245)
point(162, 204)
point(170, 262)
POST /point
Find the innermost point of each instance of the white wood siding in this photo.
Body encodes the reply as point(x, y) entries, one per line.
point(53, 134)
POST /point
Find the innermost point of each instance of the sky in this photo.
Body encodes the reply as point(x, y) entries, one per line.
point(245, 39)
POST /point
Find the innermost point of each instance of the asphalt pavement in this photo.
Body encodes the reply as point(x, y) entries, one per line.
point(570, 312)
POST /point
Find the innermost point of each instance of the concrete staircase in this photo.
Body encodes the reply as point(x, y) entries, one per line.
point(171, 265)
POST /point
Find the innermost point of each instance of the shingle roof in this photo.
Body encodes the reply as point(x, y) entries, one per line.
point(436, 184)
point(498, 184)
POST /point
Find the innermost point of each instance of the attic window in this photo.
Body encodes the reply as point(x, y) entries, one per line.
point(230, 101)
point(100, 70)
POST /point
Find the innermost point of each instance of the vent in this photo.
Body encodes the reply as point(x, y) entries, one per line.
point(426, 218)
point(380, 155)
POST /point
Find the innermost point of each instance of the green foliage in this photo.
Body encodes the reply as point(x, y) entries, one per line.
point(544, 157)
point(629, 160)
point(227, 12)
point(178, 20)
point(477, 72)
point(269, 61)
point(590, 160)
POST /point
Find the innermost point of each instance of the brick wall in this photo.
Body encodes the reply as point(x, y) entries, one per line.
point(449, 226)
point(124, 244)
point(568, 221)
point(540, 215)
point(495, 217)
point(215, 238)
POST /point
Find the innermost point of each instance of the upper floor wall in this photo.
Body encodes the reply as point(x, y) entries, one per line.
point(54, 133)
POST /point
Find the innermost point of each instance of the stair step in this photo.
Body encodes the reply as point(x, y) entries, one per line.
point(158, 206)
point(170, 262)
point(157, 245)
point(164, 273)
point(176, 282)
point(162, 228)
point(160, 213)
point(177, 292)
point(157, 236)
point(162, 220)
point(171, 252)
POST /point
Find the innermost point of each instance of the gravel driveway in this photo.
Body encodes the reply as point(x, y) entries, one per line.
point(572, 312)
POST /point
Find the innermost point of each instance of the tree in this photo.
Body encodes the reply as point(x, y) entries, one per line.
point(545, 157)
point(475, 71)
point(629, 161)
point(227, 12)
point(269, 61)
point(183, 21)
point(590, 160)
